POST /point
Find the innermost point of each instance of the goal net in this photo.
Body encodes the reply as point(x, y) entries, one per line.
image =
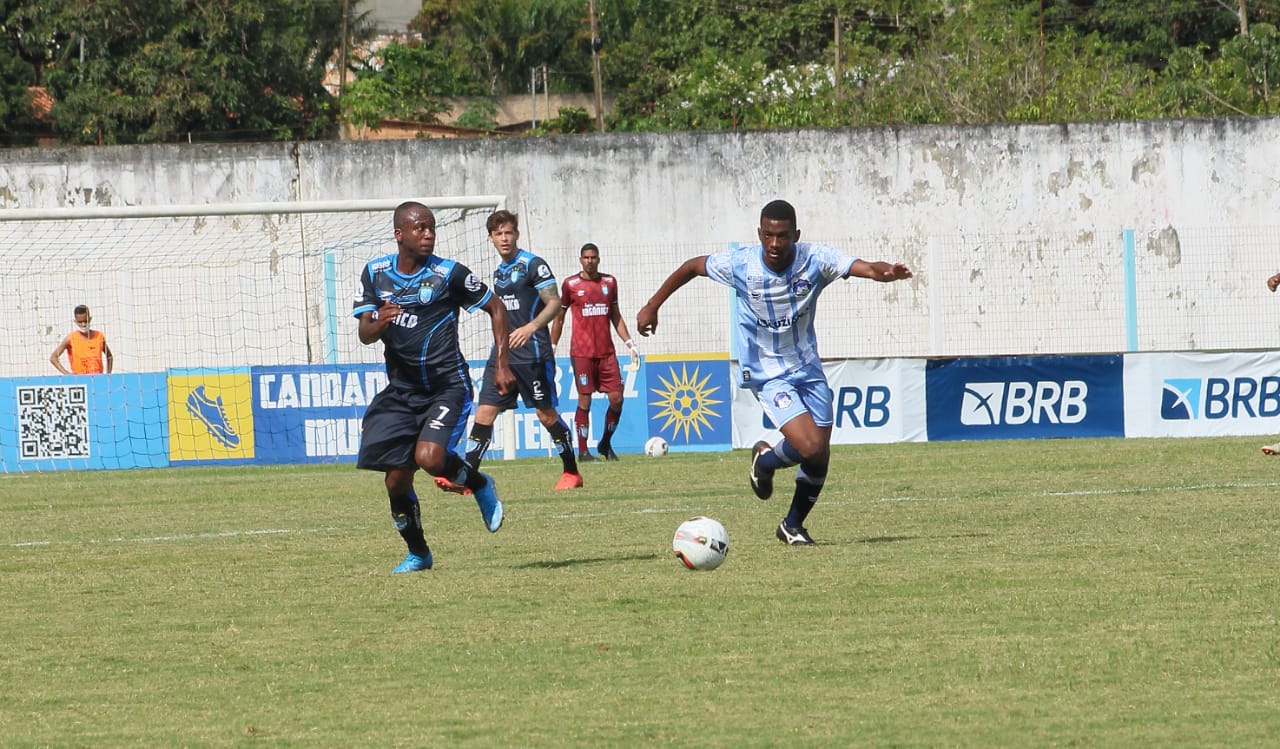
point(208, 287)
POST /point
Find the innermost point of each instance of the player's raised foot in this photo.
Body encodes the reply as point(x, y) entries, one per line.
point(413, 563)
point(793, 535)
point(609, 454)
point(761, 479)
point(569, 481)
point(586, 458)
point(448, 486)
point(1271, 449)
point(490, 505)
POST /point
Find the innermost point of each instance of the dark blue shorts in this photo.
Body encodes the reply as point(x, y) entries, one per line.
point(396, 422)
point(535, 383)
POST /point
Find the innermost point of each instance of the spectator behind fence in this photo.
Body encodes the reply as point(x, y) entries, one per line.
point(85, 347)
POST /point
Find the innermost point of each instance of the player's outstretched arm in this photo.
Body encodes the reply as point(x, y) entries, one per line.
point(879, 271)
point(647, 317)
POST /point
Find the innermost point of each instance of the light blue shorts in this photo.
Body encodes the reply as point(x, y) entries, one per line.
point(783, 400)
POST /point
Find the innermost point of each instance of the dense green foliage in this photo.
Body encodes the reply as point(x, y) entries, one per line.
point(123, 71)
point(716, 64)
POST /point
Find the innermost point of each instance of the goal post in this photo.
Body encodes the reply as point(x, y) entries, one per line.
point(215, 286)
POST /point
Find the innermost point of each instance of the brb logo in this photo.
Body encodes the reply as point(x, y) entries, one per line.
point(1042, 402)
point(1184, 399)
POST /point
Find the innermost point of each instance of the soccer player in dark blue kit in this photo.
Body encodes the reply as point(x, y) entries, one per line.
point(529, 292)
point(410, 302)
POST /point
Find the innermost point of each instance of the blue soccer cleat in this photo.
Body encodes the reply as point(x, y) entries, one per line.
point(490, 505)
point(413, 563)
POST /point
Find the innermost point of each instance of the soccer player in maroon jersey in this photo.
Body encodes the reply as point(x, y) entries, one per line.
point(593, 298)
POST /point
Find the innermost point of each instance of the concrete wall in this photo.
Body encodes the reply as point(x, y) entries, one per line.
point(1017, 232)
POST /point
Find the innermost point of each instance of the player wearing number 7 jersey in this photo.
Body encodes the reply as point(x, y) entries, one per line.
point(410, 302)
point(778, 283)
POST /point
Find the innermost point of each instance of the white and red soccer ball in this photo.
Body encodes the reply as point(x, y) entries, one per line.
point(701, 543)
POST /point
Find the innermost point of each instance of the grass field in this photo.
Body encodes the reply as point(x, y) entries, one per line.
point(1038, 593)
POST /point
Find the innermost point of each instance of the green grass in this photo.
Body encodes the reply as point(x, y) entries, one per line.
point(1073, 592)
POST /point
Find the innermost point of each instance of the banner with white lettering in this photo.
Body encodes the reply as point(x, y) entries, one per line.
point(312, 414)
point(1021, 397)
point(1202, 395)
point(875, 401)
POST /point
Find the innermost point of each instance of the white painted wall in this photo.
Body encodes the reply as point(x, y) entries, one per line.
point(1015, 231)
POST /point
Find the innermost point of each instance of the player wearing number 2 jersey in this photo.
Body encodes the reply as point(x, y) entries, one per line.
point(778, 283)
point(527, 288)
point(410, 302)
point(592, 296)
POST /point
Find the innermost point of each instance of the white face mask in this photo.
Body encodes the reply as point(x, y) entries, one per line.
point(82, 328)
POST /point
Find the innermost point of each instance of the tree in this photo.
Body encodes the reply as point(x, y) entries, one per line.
point(124, 71)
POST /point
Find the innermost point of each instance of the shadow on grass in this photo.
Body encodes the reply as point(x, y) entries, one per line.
point(556, 564)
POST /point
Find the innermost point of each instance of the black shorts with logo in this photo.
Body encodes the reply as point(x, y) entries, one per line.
point(396, 421)
point(535, 383)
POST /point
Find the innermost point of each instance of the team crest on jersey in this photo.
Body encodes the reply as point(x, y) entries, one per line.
point(782, 400)
point(425, 292)
point(543, 271)
point(515, 274)
point(604, 290)
point(801, 287)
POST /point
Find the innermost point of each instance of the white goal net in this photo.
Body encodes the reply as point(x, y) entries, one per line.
point(213, 285)
point(230, 328)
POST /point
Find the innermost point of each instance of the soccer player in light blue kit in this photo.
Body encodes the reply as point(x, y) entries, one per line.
point(778, 283)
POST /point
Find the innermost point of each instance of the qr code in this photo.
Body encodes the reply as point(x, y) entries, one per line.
point(53, 422)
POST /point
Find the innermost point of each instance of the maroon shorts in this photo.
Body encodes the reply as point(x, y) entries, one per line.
point(597, 374)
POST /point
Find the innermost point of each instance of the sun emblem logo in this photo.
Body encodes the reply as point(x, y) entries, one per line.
point(685, 401)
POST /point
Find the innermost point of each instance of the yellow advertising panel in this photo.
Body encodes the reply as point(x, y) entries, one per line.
point(210, 415)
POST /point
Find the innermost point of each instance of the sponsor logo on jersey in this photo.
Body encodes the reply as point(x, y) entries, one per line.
point(378, 265)
point(595, 309)
point(543, 271)
point(1186, 399)
point(782, 323)
point(472, 284)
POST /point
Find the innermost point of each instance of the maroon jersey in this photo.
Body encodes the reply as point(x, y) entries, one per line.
point(591, 302)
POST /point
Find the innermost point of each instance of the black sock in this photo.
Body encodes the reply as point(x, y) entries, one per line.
point(408, 520)
point(479, 442)
point(563, 440)
point(809, 481)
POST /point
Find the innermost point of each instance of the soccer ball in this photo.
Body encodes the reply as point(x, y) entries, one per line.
point(655, 447)
point(701, 543)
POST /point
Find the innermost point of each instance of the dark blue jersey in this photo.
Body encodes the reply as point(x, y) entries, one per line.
point(421, 346)
point(517, 284)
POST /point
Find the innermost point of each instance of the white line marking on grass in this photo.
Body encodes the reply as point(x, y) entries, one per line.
point(179, 537)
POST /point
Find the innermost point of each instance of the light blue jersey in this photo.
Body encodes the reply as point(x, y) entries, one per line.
point(774, 324)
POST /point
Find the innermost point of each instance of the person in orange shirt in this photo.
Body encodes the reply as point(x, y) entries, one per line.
point(85, 347)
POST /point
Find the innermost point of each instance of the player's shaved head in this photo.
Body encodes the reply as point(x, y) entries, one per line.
point(778, 210)
point(408, 212)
